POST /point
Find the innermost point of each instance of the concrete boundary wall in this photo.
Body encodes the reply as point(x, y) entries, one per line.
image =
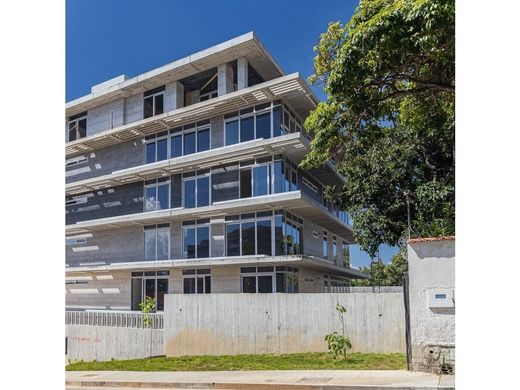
point(103, 343)
point(229, 324)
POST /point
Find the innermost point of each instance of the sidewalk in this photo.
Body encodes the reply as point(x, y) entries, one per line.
point(285, 380)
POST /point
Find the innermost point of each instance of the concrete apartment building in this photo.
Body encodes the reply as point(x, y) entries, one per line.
point(185, 179)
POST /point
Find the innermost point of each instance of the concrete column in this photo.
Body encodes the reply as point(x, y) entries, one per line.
point(242, 73)
point(195, 96)
point(174, 96)
point(225, 79)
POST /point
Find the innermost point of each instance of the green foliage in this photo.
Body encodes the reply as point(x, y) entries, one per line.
point(390, 274)
point(346, 256)
point(339, 344)
point(147, 307)
point(389, 118)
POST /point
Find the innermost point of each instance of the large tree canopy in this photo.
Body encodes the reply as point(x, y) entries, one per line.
point(389, 118)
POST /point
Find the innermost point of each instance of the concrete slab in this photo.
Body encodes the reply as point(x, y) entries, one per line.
point(287, 380)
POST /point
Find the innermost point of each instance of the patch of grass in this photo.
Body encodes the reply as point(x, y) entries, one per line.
point(295, 361)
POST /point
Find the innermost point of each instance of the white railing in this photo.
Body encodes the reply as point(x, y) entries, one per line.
point(116, 319)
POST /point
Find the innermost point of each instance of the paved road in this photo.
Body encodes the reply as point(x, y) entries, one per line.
point(285, 380)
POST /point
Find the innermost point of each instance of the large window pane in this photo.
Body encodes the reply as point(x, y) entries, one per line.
point(149, 288)
point(203, 140)
point(162, 288)
point(249, 284)
point(248, 238)
point(150, 152)
point(189, 243)
point(277, 121)
point(203, 191)
point(137, 293)
point(263, 234)
point(247, 129)
point(158, 104)
point(163, 244)
point(265, 284)
point(261, 180)
point(203, 242)
point(280, 282)
point(233, 239)
point(150, 198)
point(189, 194)
point(189, 143)
point(279, 245)
point(163, 197)
point(200, 285)
point(278, 184)
point(232, 132)
point(149, 244)
point(176, 146)
point(289, 239)
point(263, 125)
point(245, 183)
point(189, 286)
point(148, 107)
point(82, 128)
point(162, 149)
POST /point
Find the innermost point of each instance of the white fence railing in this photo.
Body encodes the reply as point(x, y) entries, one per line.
point(116, 319)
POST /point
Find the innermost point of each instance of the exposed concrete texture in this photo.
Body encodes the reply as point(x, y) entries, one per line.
point(431, 269)
point(107, 160)
point(106, 342)
point(173, 96)
point(134, 108)
point(105, 117)
point(242, 73)
point(219, 324)
point(310, 281)
point(264, 380)
point(217, 131)
point(225, 79)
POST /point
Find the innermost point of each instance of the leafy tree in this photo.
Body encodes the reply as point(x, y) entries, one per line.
point(390, 274)
point(389, 118)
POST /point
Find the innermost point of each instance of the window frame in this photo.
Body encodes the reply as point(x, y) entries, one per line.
point(157, 228)
point(254, 219)
point(75, 121)
point(196, 226)
point(156, 183)
point(196, 177)
point(196, 276)
point(153, 96)
point(143, 277)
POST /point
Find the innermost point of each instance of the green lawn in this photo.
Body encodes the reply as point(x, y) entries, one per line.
point(296, 361)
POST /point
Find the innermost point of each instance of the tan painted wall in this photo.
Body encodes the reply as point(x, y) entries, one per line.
point(220, 324)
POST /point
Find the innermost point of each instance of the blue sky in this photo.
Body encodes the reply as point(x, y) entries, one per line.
point(107, 38)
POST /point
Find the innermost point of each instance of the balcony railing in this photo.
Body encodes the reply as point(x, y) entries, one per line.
point(115, 319)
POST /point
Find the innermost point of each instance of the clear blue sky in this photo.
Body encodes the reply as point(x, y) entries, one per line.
point(107, 38)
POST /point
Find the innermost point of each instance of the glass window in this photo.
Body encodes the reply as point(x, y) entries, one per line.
point(158, 104)
point(232, 132)
point(176, 146)
point(203, 191)
point(202, 140)
point(265, 283)
point(156, 243)
point(188, 285)
point(162, 149)
point(149, 244)
point(261, 180)
point(247, 129)
point(278, 236)
point(248, 239)
point(249, 284)
point(325, 246)
point(189, 243)
point(82, 128)
point(157, 195)
point(163, 243)
point(263, 233)
point(162, 288)
point(137, 293)
point(278, 184)
point(163, 196)
point(150, 152)
point(150, 198)
point(233, 239)
point(150, 286)
point(280, 282)
point(277, 121)
point(189, 143)
point(189, 193)
point(148, 107)
point(245, 183)
point(263, 125)
point(203, 242)
point(77, 127)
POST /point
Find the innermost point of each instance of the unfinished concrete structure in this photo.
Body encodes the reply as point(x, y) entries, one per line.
point(185, 179)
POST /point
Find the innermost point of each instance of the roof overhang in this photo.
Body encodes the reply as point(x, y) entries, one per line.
point(294, 201)
point(293, 145)
point(291, 88)
point(247, 45)
point(306, 261)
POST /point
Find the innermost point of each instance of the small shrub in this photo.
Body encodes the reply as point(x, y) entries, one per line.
point(147, 306)
point(338, 345)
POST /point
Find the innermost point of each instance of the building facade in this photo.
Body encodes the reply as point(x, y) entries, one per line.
point(185, 179)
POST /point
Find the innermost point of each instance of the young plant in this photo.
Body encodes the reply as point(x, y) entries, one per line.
point(147, 306)
point(339, 344)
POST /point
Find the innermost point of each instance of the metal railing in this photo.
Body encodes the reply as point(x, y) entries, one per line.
point(116, 319)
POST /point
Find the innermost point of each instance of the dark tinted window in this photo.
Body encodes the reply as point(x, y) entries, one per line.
point(189, 194)
point(148, 107)
point(280, 282)
point(248, 238)
point(265, 284)
point(150, 152)
point(188, 285)
point(232, 132)
point(263, 234)
point(233, 239)
point(247, 129)
point(203, 242)
point(189, 243)
point(277, 121)
point(278, 167)
point(158, 104)
point(249, 284)
point(176, 146)
point(278, 236)
point(189, 143)
point(162, 288)
point(245, 183)
point(82, 127)
point(203, 191)
point(203, 140)
point(162, 149)
point(263, 126)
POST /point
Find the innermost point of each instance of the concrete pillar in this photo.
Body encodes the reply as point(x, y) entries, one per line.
point(195, 96)
point(173, 96)
point(225, 79)
point(242, 73)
